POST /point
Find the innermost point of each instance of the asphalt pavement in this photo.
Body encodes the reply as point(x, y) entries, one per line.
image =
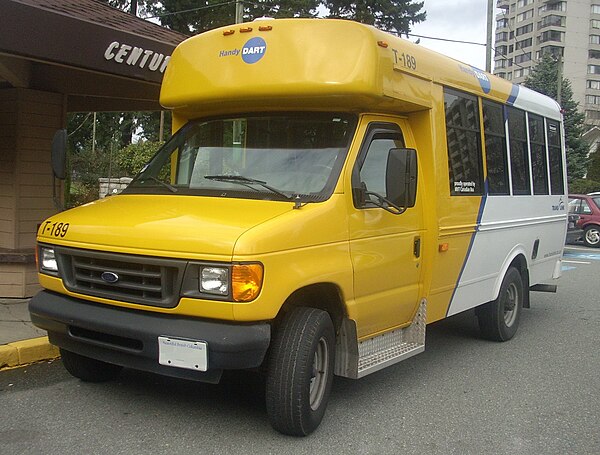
point(536, 394)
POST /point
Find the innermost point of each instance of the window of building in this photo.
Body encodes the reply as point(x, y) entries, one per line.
point(521, 72)
point(500, 51)
point(501, 36)
point(593, 69)
point(554, 153)
point(501, 23)
point(523, 57)
point(525, 29)
point(556, 6)
point(552, 20)
point(509, 76)
point(551, 35)
point(592, 99)
point(593, 84)
point(552, 50)
point(522, 3)
point(463, 134)
point(537, 144)
point(495, 148)
point(594, 39)
point(519, 152)
point(592, 115)
point(593, 53)
point(525, 15)
point(595, 23)
point(595, 9)
point(501, 64)
point(524, 43)
point(501, 74)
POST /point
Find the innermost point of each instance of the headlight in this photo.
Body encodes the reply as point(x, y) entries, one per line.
point(241, 282)
point(214, 280)
point(48, 259)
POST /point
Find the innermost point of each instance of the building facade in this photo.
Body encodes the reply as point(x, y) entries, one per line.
point(569, 29)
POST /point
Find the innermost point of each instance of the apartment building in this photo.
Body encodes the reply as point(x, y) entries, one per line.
point(526, 29)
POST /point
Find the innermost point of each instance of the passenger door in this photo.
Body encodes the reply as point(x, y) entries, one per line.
point(385, 247)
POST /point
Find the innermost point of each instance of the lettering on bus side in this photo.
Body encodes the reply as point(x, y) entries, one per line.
point(403, 60)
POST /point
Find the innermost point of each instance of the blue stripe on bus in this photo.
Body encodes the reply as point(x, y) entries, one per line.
point(479, 217)
point(513, 95)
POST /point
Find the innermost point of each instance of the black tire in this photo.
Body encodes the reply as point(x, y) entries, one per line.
point(300, 371)
point(591, 236)
point(499, 319)
point(89, 370)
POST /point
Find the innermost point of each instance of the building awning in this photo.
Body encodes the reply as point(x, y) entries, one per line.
point(101, 58)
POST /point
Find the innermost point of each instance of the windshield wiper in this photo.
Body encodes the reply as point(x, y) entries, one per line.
point(245, 181)
point(154, 179)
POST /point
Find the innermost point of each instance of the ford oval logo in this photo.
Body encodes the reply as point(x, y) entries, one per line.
point(110, 277)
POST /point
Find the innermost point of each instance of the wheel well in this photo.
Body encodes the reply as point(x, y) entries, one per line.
point(324, 296)
point(520, 263)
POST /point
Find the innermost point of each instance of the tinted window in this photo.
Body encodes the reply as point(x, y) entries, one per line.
point(495, 148)
point(537, 142)
point(463, 134)
point(519, 154)
point(554, 151)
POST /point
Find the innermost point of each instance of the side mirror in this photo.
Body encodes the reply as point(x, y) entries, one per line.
point(59, 154)
point(401, 177)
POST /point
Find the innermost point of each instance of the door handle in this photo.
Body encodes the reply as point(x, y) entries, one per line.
point(417, 247)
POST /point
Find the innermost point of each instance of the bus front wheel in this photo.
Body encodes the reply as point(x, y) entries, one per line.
point(300, 371)
point(499, 319)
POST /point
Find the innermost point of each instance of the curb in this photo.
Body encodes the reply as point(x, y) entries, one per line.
point(21, 353)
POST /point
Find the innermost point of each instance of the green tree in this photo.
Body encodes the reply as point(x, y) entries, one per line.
point(593, 170)
point(394, 16)
point(132, 158)
point(544, 79)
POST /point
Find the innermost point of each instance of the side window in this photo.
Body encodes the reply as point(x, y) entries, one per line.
point(463, 134)
point(537, 143)
point(519, 153)
point(495, 148)
point(557, 184)
point(370, 170)
point(574, 206)
point(585, 208)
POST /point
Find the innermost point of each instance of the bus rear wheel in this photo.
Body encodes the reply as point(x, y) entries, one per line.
point(300, 371)
point(499, 319)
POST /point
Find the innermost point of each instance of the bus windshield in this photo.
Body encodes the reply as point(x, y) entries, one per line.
point(279, 157)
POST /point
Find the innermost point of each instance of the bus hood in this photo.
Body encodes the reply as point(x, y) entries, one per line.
point(168, 226)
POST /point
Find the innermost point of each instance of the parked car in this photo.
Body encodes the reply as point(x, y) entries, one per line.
point(588, 209)
point(574, 232)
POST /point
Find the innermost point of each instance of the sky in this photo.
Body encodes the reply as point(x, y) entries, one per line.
point(463, 20)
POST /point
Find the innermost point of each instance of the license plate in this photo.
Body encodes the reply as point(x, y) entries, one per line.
point(174, 352)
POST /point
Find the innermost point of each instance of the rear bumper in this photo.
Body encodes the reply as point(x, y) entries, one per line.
point(130, 338)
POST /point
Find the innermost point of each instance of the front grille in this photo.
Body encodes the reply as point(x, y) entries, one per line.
point(139, 279)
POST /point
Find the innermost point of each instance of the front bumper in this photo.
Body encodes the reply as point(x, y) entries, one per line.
point(130, 338)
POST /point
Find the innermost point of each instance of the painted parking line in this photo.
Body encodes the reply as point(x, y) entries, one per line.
point(578, 255)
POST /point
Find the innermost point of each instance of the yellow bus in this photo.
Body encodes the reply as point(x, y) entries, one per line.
point(329, 191)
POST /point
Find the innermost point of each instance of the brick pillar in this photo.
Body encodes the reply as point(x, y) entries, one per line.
point(28, 121)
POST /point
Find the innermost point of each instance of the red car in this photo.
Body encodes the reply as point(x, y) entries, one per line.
point(588, 209)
